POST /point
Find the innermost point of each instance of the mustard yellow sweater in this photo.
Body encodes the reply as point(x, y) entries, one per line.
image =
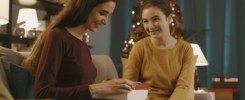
point(169, 73)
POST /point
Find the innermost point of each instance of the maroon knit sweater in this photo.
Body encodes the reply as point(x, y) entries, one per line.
point(65, 68)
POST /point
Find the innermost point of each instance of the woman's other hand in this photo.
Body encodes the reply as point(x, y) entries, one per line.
point(111, 87)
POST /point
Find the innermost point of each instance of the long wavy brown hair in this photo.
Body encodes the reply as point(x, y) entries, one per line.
point(74, 13)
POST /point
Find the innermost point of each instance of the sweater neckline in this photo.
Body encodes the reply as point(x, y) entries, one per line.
point(168, 49)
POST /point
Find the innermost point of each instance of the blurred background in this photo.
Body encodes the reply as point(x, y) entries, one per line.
point(217, 26)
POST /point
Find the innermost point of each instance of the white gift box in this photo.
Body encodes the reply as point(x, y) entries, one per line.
point(140, 92)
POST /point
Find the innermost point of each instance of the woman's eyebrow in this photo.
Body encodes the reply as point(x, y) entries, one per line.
point(104, 11)
point(156, 16)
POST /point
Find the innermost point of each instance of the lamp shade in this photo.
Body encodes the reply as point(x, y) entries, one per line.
point(201, 60)
point(4, 12)
point(29, 17)
point(27, 2)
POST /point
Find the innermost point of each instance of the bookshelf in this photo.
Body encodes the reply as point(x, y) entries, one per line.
point(51, 7)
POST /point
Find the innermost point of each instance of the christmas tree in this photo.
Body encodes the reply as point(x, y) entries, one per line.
point(137, 32)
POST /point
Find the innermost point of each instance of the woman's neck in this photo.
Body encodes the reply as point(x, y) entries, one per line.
point(164, 43)
point(77, 31)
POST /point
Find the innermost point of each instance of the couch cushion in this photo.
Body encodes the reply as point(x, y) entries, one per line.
point(105, 68)
point(3, 77)
point(7, 56)
point(20, 82)
point(10, 56)
point(24, 54)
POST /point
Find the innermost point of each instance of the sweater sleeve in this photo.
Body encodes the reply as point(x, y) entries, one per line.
point(185, 84)
point(47, 72)
point(132, 69)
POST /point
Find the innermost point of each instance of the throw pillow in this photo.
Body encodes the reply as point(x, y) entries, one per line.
point(20, 82)
point(29, 94)
point(9, 55)
point(3, 77)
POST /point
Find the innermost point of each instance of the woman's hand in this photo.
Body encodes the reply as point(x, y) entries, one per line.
point(111, 87)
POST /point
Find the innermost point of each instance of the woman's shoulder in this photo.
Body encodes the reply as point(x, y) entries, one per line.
point(184, 46)
point(143, 41)
point(184, 43)
point(141, 44)
point(58, 32)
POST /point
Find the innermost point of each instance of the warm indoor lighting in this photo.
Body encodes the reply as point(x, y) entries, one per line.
point(27, 2)
point(4, 12)
point(201, 60)
point(29, 17)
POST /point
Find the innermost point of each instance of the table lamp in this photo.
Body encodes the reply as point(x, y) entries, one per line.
point(29, 17)
point(27, 2)
point(4, 12)
point(201, 61)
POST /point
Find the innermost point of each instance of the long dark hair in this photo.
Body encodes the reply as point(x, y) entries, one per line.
point(77, 11)
point(74, 13)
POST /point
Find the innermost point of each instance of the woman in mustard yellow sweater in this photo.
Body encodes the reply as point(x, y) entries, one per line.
point(161, 61)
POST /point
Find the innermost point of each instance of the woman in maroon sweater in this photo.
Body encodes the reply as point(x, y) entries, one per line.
point(60, 59)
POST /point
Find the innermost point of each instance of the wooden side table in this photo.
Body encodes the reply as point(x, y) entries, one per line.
point(225, 93)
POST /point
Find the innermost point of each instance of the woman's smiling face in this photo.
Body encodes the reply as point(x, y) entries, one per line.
point(100, 15)
point(155, 22)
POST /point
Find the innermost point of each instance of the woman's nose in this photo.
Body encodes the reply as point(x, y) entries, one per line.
point(150, 26)
point(104, 21)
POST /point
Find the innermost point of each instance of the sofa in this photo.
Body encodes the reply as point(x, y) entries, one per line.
point(13, 77)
